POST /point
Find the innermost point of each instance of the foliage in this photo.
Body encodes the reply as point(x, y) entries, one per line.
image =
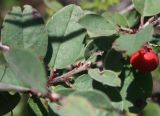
point(98, 5)
point(77, 63)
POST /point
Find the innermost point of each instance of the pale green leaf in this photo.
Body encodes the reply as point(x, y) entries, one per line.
point(66, 36)
point(107, 77)
point(25, 29)
point(132, 43)
point(28, 70)
point(147, 7)
point(83, 82)
point(77, 106)
point(96, 98)
point(97, 25)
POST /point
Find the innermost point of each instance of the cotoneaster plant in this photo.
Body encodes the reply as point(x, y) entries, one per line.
point(145, 60)
point(79, 55)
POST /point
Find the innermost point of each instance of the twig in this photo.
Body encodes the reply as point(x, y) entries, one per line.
point(54, 97)
point(141, 22)
point(129, 8)
point(69, 84)
point(150, 20)
point(154, 45)
point(67, 76)
point(74, 69)
point(127, 30)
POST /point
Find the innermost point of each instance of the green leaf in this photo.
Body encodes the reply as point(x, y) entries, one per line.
point(98, 44)
point(94, 46)
point(100, 112)
point(97, 25)
point(22, 108)
point(8, 102)
point(152, 109)
point(77, 106)
point(128, 19)
point(113, 61)
point(28, 70)
point(147, 7)
point(54, 109)
point(112, 92)
point(36, 107)
point(66, 36)
point(134, 91)
point(132, 43)
point(120, 20)
point(107, 77)
point(96, 98)
point(90, 49)
point(2, 59)
point(83, 82)
point(106, 113)
point(103, 43)
point(8, 76)
point(116, 19)
point(64, 91)
point(132, 18)
point(25, 29)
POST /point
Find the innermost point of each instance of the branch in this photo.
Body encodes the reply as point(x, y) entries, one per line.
point(127, 30)
point(150, 21)
point(154, 45)
point(68, 76)
point(141, 22)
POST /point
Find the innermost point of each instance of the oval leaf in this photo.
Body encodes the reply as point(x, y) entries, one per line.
point(134, 91)
point(36, 107)
point(97, 25)
point(66, 36)
point(77, 106)
point(152, 109)
point(84, 82)
point(108, 77)
point(147, 7)
point(64, 91)
point(96, 98)
point(28, 69)
point(25, 29)
point(132, 43)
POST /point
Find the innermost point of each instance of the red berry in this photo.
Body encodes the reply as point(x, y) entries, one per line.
point(145, 60)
